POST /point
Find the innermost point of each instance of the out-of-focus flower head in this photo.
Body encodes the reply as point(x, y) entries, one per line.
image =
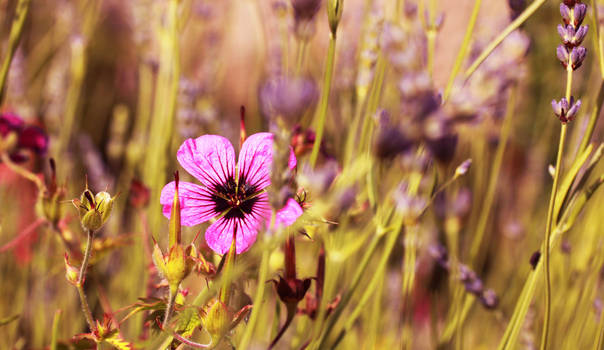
point(304, 15)
point(390, 141)
point(17, 138)
point(287, 97)
point(238, 200)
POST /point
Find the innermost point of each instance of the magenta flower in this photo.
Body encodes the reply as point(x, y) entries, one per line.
point(29, 137)
point(239, 201)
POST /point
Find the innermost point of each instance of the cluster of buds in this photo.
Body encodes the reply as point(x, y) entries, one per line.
point(571, 54)
point(566, 111)
point(470, 280)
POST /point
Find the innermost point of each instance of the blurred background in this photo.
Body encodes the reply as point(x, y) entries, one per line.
point(117, 86)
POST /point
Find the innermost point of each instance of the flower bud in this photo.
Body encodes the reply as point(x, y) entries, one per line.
point(94, 210)
point(72, 274)
point(562, 54)
point(577, 55)
point(579, 14)
point(566, 111)
point(334, 14)
point(463, 167)
point(217, 320)
point(565, 13)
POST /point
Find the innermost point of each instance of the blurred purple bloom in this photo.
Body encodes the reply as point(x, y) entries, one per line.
point(239, 202)
point(305, 9)
point(29, 137)
point(287, 97)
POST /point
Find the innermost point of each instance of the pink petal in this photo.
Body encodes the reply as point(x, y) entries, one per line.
point(256, 159)
point(287, 215)
point(196, 205)
point(210, 158)
point(292, 159)
point(220, 234)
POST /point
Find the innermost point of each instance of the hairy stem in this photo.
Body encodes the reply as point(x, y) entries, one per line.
point(170, 307)
point(81, 278)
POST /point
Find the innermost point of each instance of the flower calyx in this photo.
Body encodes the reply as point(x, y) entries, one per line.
point(178, 263)
point(218, 319)
point(94, 210)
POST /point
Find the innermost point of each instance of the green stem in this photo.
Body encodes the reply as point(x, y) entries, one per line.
point(251, 325)
point(301, 54)
point(532, 8)
point(492, 185)
point(409, 258)
point(377, 278)
point(13, 41)
point(171, 297)
point(228, 269)
point(463, 50)
point(597, 37)
point(550, 219)
point(322, 111)
point(81, 278)
point(55, 330)
point(593, 118)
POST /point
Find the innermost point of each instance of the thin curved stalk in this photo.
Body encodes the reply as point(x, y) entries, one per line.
point(322, 111)
point(463, 50)
point(492, 185)
point(550, 217)
point(528, 12)
point(80, 282)
point(16, 30)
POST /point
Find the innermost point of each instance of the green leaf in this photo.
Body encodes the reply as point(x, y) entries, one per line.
point(187, 325)
point(116, 340)
point(563, 190)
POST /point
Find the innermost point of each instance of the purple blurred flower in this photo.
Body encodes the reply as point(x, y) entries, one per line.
point(239, 202)
point(28, 137)
point(287, 97)
point(305, 9)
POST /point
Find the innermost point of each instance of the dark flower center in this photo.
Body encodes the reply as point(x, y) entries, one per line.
point(238, 198)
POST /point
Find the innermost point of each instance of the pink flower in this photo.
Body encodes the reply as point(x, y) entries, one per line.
point(239, 202)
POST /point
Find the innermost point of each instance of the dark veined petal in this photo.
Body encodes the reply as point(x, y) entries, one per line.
point(209, 158)
point(196, 205)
